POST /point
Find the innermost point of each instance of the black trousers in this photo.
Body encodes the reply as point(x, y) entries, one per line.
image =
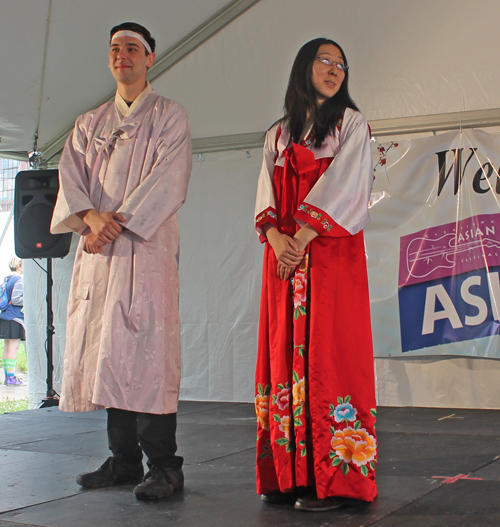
point(132, 433)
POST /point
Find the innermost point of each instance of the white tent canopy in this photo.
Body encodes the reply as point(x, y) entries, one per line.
point(413, 66)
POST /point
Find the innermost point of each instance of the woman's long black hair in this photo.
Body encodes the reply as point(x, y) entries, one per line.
point(301, 96)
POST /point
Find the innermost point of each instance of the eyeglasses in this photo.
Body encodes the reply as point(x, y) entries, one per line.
point(329, 62)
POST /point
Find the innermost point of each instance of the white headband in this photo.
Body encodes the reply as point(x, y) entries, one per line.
point(138, 36)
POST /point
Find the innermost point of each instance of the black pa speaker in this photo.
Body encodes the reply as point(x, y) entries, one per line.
point(34, 200)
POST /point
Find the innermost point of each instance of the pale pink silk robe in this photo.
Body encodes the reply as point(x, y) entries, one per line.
point(123, 328)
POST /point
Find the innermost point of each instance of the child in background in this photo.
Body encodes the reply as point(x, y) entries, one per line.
point(12, 320)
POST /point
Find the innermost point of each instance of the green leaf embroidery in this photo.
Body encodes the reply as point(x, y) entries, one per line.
point(288, 448)
point(340, 400)
point(277, 418)
point(267, 389)
point(332, 430)
point(259, 389)
point(372, 465)
point(297, 421)
point(282, 441)
point(296, 379)
point(301, 349)
point(302, 310)
point(274, 399)
point(298, 410)
point(296, 313)
point(373, 411)
point(348, 398)
point(345, 468)
point(263, 455)
point(302, 443)
point(357, 425)
point(280, 386)
point(364, 471)
point(336, 462)
point(303, 453)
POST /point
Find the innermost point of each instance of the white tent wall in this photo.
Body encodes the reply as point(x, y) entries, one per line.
point(406, 59)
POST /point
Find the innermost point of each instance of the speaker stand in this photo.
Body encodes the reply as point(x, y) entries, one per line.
point(52, 398)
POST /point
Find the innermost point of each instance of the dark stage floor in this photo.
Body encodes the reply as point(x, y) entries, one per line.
point(41, 451)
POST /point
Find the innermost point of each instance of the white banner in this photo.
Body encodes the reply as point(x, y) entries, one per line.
point(433, 246)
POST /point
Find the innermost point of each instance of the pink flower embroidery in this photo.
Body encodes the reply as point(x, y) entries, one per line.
point(299, 289)
point(283, 398)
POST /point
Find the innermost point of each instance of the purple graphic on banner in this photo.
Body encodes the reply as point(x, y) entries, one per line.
point(450, 249)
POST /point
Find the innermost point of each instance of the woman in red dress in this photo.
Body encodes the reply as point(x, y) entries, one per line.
point(315, 389)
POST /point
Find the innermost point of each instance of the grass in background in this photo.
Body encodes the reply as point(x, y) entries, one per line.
point(17, 405)
point(22, 364)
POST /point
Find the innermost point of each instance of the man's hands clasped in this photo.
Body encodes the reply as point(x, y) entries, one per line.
point(105, 229)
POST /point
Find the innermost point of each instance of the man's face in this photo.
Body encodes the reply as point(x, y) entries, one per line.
point(128, 61)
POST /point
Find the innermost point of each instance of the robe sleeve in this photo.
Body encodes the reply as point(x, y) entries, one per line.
point(73, 194)
point(337, 205)
point(265, 206)
point(164, 189)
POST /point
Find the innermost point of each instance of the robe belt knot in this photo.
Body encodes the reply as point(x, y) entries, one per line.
point(301, 159)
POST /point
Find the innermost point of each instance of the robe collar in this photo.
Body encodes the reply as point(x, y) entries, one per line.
point(122, 106)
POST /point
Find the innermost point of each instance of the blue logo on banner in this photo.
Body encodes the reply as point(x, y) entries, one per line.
point(450, 309)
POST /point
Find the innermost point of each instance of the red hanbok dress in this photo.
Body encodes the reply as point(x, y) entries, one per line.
point(315, 388)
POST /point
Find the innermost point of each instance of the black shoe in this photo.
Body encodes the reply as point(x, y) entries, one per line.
point(159, 483)
point(314, 504)
point(111, 473)
point(279, 498)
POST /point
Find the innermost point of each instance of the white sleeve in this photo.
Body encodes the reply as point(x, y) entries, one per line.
point(343, 191)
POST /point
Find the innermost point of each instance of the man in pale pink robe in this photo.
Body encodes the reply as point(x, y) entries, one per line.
point(123, 174)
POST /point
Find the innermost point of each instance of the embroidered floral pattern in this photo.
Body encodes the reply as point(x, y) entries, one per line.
point(269, 213)
point(301, 349)
point(344, 411)
point(284, 424)
point(262, 405)
point(299, 294)
point(299, 288)
point(267, 451)
point(282, 398)
point(299, 390)
point(352, 444)
point(317, 216)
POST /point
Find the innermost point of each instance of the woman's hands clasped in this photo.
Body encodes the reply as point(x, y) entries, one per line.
point(286, 250)
point(289, 251)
